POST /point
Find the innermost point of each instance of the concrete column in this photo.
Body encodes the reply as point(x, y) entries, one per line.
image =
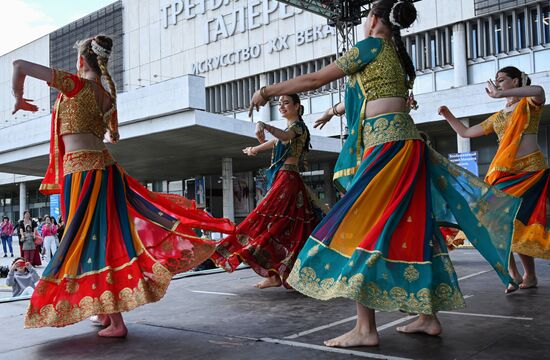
point(460, 56)
point(463, 144)
point(160, 186)
point(265, 111)
point(22, 199)
point(227, 189)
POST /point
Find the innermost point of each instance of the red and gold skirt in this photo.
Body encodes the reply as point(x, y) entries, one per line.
point(271, 237)
point(121, 245)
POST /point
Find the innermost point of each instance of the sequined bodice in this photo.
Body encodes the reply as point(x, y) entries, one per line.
point(80, 114)
point(384, 76)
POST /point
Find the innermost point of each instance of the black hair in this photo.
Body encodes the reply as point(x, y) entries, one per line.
point(404, 14)
point(296, 100)
point(514, 73)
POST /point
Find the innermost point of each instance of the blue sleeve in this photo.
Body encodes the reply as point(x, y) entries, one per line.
point(359, 56)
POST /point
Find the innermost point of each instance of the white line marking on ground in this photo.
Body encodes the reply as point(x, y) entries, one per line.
point(486, 315)
point(474, 274)
point(212, 292)
point(380, 328)
point(332, 350)
point(323, 327)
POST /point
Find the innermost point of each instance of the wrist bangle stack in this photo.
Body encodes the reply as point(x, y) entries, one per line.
point(335, 110)
point(263, 94)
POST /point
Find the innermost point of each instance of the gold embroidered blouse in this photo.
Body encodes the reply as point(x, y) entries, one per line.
point(498, 122)
point(76, 107)
point(380, 77)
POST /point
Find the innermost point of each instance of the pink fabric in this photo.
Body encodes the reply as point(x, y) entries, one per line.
point(49, 230)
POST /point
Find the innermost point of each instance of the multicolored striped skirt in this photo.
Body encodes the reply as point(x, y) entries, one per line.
point(530, 181)
point(271, 237)
point(381, 245)
point(121, 245)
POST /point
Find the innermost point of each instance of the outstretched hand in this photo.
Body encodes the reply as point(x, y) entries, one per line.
point(492, 90)
point(250, 151)
point(256, 102)
point(322, 121)
point(24, 104)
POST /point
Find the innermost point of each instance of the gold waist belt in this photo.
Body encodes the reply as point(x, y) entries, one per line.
point(83, 160)
point(388, 127)
point(531, 162)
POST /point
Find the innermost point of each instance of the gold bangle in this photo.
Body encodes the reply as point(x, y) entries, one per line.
point(263, 94)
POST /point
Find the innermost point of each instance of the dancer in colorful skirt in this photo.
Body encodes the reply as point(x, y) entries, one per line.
point(270, 238)
point(519, 167)
point(380, 245)
point(122, 243)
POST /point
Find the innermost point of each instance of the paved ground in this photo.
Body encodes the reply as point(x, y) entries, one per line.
point(221, 316)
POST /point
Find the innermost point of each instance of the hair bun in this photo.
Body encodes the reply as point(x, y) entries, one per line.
point(404, 13)
point(104, 41)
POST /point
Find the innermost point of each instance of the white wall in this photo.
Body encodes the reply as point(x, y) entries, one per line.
point(436, 13)
point(37, 51)
point(151, 49)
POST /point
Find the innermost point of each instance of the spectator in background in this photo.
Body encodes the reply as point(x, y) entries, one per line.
point(60, 228)
point(28, 245)
point(22, 277)
point(49, 234)
point(6, 232)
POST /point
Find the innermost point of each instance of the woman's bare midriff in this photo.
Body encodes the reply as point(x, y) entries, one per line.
point(76, 142)
point(528, 145)
point(385, 106)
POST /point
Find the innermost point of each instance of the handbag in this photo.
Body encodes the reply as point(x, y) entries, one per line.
point(38, 240)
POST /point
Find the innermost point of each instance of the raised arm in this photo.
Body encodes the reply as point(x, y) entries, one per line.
point(459, 127)
point(21, 69)
point(536, 93)
point(296, 85)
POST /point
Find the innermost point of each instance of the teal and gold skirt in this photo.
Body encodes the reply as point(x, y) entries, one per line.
point(381, 245)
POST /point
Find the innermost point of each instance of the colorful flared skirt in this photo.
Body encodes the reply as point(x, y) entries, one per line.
point(381, 245)
point(271, 237)
point(532, 228)
point(121, 245)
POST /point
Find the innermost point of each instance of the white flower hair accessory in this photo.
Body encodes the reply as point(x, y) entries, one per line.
point(524, 79)
point(100, 50)
point(392, 17)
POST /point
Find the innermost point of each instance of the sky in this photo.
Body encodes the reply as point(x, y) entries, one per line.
point(22, 21)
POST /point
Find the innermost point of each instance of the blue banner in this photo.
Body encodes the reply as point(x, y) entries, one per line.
point(466, 160)
point(55, 210)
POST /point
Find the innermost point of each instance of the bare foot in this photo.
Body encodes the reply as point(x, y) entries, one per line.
point(511, 288)
point(114, 331)
point(424, 324)
point(529, 283)
point(353, 338)
point(272, 281)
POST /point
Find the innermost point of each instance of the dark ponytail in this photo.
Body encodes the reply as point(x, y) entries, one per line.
point(404, 14)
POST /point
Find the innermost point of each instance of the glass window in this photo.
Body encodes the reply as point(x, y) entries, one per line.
point(475, 46)
point(497, 28)
point(534, 25)
point(520, 24)
point(275, 114)
point(546, 24)
point(433, 51)
point(510, 32)
point(413, 54)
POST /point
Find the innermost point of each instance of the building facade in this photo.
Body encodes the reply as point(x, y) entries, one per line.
point(186, 70)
